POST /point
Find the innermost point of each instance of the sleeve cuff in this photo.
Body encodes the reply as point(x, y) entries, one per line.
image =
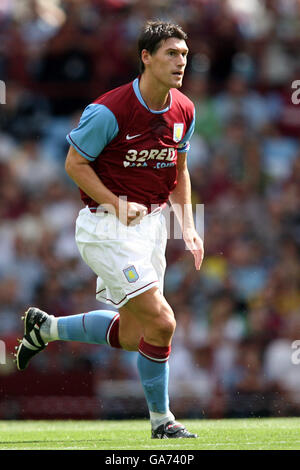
point(184, 149)
point(79, 150)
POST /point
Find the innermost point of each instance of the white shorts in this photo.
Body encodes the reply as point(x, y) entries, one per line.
point(127, 260)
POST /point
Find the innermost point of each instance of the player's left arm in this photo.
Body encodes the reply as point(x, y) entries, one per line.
point(182, 206)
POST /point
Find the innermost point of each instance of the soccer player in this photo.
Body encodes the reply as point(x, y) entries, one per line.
point(128, 156)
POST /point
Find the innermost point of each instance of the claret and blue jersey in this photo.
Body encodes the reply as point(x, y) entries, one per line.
point(132, 148)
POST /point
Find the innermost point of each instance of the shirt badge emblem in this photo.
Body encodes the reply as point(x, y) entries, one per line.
point(178, 131)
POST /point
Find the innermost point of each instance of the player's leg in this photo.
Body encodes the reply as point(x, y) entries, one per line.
point(154, 348)
point(130, 329)
point(152, 314)
point(96, 327)
point(152, 311)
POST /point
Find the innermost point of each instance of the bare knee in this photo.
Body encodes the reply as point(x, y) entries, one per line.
point(160, 329)
point(166, 325)
point(148, 315)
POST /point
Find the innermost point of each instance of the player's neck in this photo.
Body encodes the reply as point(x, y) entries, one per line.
point(155, 95)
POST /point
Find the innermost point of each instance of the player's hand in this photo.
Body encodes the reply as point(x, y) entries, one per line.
point(135, 213)
point(131, 213)
point(194, 243)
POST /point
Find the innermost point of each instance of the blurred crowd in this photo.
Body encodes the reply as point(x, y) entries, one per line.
point(238, 317)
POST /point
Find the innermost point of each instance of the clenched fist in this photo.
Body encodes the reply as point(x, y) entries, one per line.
point(131, 213)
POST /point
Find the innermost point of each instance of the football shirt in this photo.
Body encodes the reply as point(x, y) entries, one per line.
point(132, 148)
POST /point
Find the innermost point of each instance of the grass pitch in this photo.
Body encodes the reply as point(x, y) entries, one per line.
point(237, 434)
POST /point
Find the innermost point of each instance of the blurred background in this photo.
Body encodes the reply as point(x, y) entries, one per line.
point(238, 316)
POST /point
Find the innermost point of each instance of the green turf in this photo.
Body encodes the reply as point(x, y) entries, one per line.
point(272, 433)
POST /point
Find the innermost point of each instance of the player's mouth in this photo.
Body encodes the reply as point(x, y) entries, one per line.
point(178, 74)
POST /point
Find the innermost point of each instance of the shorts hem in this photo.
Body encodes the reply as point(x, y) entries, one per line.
point(127, 297)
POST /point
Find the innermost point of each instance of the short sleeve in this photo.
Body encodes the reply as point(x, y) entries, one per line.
point(184, 144)
point(97, 128)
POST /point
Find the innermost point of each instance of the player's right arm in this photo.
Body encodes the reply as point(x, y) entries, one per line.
point(96, 129)
point(80, 171)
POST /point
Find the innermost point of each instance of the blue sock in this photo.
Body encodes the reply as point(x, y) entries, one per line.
point(92, 327)
point(155, 380)
point(153, 368)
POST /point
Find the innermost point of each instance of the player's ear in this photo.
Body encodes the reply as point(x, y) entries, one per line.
point(145, 57)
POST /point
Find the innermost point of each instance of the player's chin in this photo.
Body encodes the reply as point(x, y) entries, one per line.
point(177, 81)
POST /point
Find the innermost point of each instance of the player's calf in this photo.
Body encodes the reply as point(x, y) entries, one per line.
point(130, 330)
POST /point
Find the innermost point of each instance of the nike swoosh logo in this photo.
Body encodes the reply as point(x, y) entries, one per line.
point(129, 137)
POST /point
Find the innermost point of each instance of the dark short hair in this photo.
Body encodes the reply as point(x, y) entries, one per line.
point(153, 33)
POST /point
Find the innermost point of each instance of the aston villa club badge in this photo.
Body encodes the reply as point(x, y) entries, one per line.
point(178, 131)
point(131, 274)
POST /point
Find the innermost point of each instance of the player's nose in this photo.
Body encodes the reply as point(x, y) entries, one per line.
point(180, 64)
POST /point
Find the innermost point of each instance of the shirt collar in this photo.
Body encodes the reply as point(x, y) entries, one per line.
point(137, 92)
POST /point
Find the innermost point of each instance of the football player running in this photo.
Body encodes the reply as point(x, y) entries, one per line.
point(128, 157)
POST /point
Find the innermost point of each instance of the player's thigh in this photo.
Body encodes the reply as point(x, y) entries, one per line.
point(158, 258)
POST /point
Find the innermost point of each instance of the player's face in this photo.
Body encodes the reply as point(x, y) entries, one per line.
point(168, 63)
